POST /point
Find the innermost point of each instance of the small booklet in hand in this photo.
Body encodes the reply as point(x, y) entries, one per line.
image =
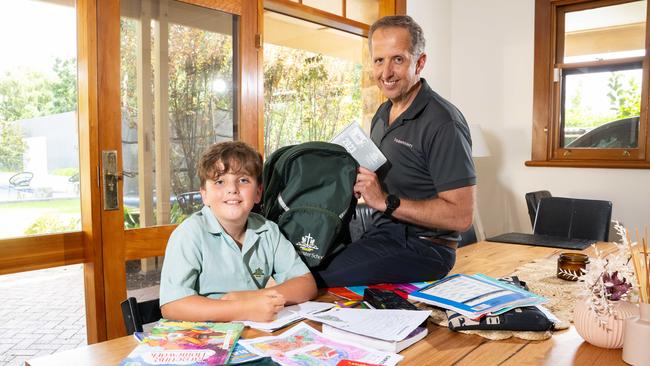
point(360, 146)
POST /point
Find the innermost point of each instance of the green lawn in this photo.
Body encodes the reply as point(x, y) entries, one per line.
point(64, 206)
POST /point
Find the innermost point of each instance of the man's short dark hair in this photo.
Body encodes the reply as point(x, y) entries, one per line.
point(229, 156)
point(401, 21)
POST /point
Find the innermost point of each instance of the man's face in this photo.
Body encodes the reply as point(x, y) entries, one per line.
point(231, 197)
point(395, 69)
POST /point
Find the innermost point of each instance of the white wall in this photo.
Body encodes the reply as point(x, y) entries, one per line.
point(491, 81)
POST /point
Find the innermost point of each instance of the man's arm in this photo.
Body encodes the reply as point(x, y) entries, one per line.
point(451, 210)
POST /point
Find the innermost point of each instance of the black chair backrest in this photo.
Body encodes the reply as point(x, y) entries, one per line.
point(573, 218)
point(532, 200)
point(136, 313)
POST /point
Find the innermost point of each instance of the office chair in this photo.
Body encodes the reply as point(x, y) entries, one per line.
point(532, 200)
point(136, 313)
point(577, 218)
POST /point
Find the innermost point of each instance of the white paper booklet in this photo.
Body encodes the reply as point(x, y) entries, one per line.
point(372, 342)
point(290, 314)
point(360, 146)
point(304, 345)
point(385, 324)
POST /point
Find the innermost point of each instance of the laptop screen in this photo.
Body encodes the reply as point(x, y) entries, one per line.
point(573, 218)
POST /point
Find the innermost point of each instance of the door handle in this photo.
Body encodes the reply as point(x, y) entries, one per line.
point(110, 177)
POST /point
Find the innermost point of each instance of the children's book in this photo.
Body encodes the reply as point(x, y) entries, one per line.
point(359, 145)
point(303, 345)
point(376, 343)
point(186, 343)
point(473, 295)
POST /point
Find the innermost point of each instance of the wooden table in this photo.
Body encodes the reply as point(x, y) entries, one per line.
point(441, 346)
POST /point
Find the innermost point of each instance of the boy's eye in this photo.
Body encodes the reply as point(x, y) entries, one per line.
point(218, 181)
point(244, 180)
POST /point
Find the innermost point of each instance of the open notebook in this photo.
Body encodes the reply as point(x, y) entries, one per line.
point(568, 223)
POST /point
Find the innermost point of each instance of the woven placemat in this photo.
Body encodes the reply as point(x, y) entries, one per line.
point(540, 276)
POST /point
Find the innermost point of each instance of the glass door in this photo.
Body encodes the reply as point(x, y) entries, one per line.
point(178, 78)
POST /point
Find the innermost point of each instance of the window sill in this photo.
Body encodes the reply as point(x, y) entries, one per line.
point(612, 164)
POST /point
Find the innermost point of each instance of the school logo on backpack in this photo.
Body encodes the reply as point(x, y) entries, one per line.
point(307, 244)
point(308, 192)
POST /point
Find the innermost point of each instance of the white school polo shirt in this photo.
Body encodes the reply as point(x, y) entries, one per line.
point(202, 259)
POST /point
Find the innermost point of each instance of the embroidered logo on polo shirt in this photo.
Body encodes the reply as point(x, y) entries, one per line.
point(402, 142)
point(258, 274)
point(307, 243)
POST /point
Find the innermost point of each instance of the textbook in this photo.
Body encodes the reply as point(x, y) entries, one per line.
point(186, 343)
point(376, 343)
point(474, 295)
point(360, 146)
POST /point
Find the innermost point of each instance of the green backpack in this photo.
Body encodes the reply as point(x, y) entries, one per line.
point(308, 192)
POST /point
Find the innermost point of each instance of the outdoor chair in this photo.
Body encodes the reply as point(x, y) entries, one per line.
point(21, 182)
point(190, 202)
point(136, 314)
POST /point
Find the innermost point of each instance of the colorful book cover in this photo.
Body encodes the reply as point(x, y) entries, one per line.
point(186, 343)
point(356, 292)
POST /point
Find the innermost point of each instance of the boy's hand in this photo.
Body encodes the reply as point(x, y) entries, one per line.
point(264, 306)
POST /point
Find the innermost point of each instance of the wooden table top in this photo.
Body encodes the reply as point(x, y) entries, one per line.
point(441, 346)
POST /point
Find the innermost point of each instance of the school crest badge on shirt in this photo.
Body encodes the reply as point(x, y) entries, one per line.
point(258, 274)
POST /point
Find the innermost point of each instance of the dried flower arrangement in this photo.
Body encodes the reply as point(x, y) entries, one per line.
point(610, 277)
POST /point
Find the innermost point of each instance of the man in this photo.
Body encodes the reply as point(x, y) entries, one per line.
point(424, 194)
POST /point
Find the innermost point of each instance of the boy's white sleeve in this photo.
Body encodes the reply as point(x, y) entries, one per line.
point(287, 263)
point(182, 266)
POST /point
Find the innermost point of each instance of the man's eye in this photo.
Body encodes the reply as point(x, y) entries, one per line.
point(399, 60)
point(378, 61)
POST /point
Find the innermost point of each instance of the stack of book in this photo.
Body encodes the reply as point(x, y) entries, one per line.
point(184, 343)
point(475, 295)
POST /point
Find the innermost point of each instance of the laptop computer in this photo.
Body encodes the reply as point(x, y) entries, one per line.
point(568, 223)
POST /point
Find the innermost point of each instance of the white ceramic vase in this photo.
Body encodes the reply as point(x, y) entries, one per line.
point(636, 350)
point(609, 336)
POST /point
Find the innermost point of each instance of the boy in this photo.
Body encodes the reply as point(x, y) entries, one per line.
point(219, 260)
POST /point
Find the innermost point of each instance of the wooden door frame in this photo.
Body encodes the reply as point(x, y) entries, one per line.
point(118, 245)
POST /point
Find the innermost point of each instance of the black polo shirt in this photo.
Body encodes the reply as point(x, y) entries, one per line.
point(429, 150)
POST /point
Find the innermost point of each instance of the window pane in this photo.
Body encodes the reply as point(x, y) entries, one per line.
point(601, 107)
point(330, 6)
point(313, 89)
point(604, 33)
point(178, 97)
point(39, 148)
point(364, 11)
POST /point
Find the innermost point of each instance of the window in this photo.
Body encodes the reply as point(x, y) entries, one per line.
point(312, 90)
point(590, 86)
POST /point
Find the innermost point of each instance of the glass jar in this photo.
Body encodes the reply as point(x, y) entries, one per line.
point(569, 265)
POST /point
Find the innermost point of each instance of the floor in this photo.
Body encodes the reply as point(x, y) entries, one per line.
point(43, 313)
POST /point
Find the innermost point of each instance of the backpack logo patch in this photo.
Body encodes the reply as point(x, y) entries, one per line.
point(307, 243)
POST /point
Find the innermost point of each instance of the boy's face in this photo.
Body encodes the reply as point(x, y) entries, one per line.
point(231, 197)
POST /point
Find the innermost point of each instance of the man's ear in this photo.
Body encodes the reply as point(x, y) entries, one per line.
point(419, 64)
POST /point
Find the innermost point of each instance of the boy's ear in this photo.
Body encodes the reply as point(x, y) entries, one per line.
point(202, 191)
point(258, 194)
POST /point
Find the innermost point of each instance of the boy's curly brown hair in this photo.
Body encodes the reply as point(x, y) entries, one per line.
point(232, 156)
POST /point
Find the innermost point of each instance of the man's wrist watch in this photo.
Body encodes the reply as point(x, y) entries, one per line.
point(392, 203)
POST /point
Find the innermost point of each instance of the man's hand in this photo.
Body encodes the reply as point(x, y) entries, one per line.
point(264, 305)
point(368, 187)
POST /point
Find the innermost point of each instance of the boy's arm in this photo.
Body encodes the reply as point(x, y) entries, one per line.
point(258, 306)
point(298, 289)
